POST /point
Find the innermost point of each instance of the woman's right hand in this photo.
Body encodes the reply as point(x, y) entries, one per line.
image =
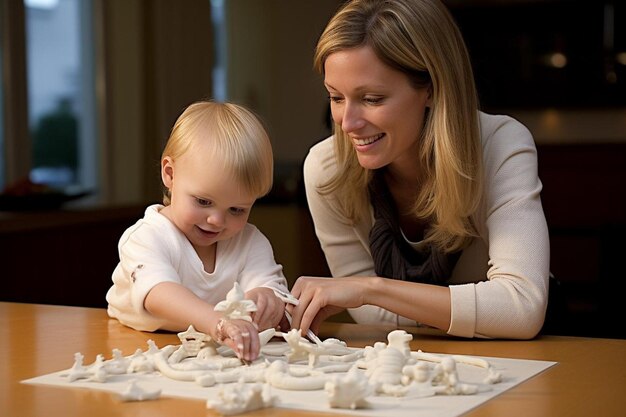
point(320, 298)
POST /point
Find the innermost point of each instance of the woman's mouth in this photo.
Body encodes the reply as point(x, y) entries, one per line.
point(368, 140)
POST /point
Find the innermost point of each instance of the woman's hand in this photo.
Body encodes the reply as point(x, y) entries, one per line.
point(241, 336)
point(321, 298)
point(270, 309)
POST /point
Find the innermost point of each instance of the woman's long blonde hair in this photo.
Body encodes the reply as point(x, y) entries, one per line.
point(420, 39)
point(238, 141)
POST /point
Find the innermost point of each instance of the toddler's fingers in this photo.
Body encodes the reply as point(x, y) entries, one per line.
point(254, 346)
point(250, 344)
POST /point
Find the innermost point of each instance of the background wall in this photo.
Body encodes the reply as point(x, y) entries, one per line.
point(270, 47)
point(156, 57)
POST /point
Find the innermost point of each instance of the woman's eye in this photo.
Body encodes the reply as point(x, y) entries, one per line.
point(373, 100)
point(335, 99)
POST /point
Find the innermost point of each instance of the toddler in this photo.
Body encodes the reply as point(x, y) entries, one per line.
point(184, 256)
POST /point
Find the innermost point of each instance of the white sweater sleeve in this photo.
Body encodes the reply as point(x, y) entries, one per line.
point(512, 302)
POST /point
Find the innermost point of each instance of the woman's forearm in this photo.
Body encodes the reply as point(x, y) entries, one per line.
point(424, 303)
point(318, 297)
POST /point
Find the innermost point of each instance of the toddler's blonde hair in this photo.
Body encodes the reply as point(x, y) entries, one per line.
point(238, 141)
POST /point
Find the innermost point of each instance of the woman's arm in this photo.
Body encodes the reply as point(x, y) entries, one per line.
point(321, 297)
point(345, 246)
point(512, 302)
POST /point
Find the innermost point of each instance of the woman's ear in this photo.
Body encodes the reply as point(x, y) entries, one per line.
point(167, 172)
point(429, 100)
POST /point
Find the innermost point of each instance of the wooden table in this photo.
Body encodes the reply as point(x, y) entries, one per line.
point(590, 379)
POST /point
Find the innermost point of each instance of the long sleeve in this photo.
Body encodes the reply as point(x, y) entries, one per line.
point(499, 286)
point(512, 302)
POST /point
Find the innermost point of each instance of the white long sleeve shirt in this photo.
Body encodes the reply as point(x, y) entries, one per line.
point(499, 285)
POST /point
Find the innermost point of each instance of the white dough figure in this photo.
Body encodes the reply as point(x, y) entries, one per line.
point(235, 306)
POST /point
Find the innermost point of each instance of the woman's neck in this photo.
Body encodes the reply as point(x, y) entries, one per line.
point(404, 186)
point(403, 177)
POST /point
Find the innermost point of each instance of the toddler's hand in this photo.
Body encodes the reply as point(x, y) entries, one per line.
point(241, 336)
point(270, 309)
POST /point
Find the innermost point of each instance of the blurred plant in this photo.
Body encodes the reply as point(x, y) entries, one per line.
point(55, 138)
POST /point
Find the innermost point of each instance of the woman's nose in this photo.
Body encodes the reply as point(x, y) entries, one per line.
point(351, 118)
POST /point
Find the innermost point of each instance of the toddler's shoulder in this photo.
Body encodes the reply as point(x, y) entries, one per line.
point(151, 232)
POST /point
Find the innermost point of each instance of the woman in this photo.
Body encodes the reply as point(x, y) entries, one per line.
point(427, 209)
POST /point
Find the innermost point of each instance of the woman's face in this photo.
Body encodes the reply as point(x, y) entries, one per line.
point(376, 106)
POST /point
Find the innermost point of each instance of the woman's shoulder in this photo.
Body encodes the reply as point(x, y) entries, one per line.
point(503, 136)
point(500, 127)
point(320, 162)
point(500, 124)
point(323, 151)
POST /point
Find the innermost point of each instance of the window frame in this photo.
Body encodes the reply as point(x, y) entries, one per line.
point(17, 152)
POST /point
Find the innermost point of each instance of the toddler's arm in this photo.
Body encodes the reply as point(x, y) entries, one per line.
point(180, 307)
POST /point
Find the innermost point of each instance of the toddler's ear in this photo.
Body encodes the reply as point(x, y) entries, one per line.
point(167, 171)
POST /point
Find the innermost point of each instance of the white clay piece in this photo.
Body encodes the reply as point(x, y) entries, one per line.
point(135, 393)
point(235, 306)
point(241, 398)
point(349, 376)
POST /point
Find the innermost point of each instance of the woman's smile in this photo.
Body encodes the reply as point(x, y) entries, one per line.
point(360, 142)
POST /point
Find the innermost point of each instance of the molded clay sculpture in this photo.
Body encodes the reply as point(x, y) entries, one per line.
point(135, 393)
point(348, 375)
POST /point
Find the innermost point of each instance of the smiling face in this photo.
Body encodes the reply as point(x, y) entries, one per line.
point(376, 106)
point(207, 205)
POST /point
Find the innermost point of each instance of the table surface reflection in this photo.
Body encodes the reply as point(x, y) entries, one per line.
point(589, 380)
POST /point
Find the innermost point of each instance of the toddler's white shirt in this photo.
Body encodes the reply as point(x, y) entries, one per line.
point(154, 250)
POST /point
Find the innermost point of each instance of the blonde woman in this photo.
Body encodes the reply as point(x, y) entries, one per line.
point(185, 255)
point(428, 210)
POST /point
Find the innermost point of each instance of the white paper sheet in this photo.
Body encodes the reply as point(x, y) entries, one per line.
point(514, 372)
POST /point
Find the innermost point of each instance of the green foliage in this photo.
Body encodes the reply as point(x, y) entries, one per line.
point(55, 141)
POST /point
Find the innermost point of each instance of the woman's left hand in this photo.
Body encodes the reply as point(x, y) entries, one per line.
point(321, 298)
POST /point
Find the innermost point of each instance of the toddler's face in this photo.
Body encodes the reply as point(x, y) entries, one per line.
point(206, 204)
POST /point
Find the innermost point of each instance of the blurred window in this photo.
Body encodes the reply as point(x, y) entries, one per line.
point(60, 92)
point(218, 20)
point(56, 39)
